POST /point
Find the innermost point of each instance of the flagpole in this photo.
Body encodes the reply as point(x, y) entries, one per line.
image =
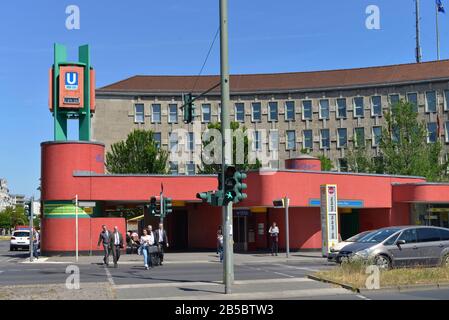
point(438, 32)
point(418, 37)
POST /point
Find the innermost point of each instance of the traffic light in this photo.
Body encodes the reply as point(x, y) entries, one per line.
point(168, 206)
point(211, 197)
point(229, 187)
point(240, 187)
point(154, 209)
point(189, 108)
point(27, 208)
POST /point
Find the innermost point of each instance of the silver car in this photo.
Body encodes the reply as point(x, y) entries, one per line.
point(401, 247)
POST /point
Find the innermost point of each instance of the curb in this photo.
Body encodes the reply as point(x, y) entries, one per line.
point(384, 289)
point(343, 285)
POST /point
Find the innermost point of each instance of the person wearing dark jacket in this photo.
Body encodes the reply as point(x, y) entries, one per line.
point(104, 237)
point(116, 243)
point(161, 240)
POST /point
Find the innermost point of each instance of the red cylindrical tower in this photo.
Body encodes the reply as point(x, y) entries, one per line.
point(303, 162)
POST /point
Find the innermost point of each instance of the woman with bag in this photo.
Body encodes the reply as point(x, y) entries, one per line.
point(146, 241)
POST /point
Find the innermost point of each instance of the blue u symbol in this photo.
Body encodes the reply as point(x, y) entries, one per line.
point(71, 78)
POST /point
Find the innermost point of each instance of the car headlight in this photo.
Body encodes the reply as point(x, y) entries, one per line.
point(363, 253)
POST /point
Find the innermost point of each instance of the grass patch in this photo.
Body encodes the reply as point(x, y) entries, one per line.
point(353, 274)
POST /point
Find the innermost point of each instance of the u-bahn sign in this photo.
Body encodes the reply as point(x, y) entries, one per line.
point(329, 217)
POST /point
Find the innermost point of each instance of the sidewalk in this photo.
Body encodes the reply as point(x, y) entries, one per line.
point(197, 258)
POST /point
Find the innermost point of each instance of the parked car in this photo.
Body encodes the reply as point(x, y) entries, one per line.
point(332, 256)
point(401, 247)
point(20, 239)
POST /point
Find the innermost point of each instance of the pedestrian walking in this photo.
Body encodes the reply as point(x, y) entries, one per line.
point(219, 231)
point(220, 244)
point(104, 239)
point(116, 242)
point(147, 241)
point(36, 239)
point(161, 240)
point(274, 235)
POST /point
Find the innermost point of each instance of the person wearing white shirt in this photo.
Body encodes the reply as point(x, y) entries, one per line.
point(274, 235)
point(147, 240)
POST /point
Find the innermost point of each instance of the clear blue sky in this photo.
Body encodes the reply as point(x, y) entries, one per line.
point(172, 37)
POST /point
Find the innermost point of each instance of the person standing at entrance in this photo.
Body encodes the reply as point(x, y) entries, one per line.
point(220, 244)
point(162, 241)
point(116, 241)
point(274, 235)
point(104, 238)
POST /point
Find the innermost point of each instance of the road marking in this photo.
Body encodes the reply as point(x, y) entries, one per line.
point(363, 297)
point(285, 294)
point(109, 276)
point(283, 274)
point(204, 283)
point(297, 268)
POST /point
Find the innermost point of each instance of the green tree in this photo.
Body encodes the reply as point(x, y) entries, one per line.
point(403, 147)
point(326, 163)
point(5, 219)
point(12, 217)
point(138, 154)
point(245, 166)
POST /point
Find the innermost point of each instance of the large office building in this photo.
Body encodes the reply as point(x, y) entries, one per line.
point(321, 112)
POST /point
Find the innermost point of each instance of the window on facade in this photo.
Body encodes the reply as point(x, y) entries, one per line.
point(158, 138)
point(290, 111)
point(307, 141)
point(274, 140)
point(376, 106)
point(173, 142)
point(446, 99)
point(342, 165)
point(394, 99)
point(256, 112)
point(432, 132)
point(377, 135)
point(190, 168)
point(240, 112)
point(190, 141)
point(272, 111)
point(205, 111)
point(139, 113)
point(431, 101)
point(412, 97)
point(291, 140)
point(358, 107)
point(307, 110)
point(257, 140)
point(174, 168)
point(172, 113)
point(341, 108)
point(359, 137)
point(395, 132)
point(156, 113)
point(342, 137)
point(325, 142)
point(446, 131)
point(324, 109)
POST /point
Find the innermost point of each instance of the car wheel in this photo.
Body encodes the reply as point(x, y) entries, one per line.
point(383, 262)
point(445, 261)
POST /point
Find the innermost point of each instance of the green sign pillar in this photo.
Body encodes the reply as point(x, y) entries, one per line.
point(83, 113)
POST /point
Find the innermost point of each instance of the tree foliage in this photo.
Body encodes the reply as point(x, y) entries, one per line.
point(403, 147)
point(206, 168)
point(138, 154)
point(12, 217)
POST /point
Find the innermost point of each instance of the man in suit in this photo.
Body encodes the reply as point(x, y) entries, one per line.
point(116, 242)
point(161, 240)
point(104, 238)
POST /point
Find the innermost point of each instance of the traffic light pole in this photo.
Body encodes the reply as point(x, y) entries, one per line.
point(31, 228)
point(162, 213)
point(228, 263)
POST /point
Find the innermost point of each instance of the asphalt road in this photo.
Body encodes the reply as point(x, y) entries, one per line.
point(195, 281)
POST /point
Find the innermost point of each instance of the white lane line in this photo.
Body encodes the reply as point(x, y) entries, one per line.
point(362, 297)
point(109, 276)
point(297, 268)
point(304, 293)
point(283, 274)
point(212, 283)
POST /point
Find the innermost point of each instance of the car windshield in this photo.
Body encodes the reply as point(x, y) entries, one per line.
point(357, 237)
point(378, 236)
point(21, 234)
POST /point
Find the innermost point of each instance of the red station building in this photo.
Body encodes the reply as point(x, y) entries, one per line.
point(365, 201)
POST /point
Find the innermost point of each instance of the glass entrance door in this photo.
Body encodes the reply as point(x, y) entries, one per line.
point(239, 227)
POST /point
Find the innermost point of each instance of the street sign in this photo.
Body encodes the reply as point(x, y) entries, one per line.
point(329, 217)
point(87, 204)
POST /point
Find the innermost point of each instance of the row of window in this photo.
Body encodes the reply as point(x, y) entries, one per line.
point(358, 107)
point(307, 138)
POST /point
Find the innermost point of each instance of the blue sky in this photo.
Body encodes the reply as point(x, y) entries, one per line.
point(172, 37)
